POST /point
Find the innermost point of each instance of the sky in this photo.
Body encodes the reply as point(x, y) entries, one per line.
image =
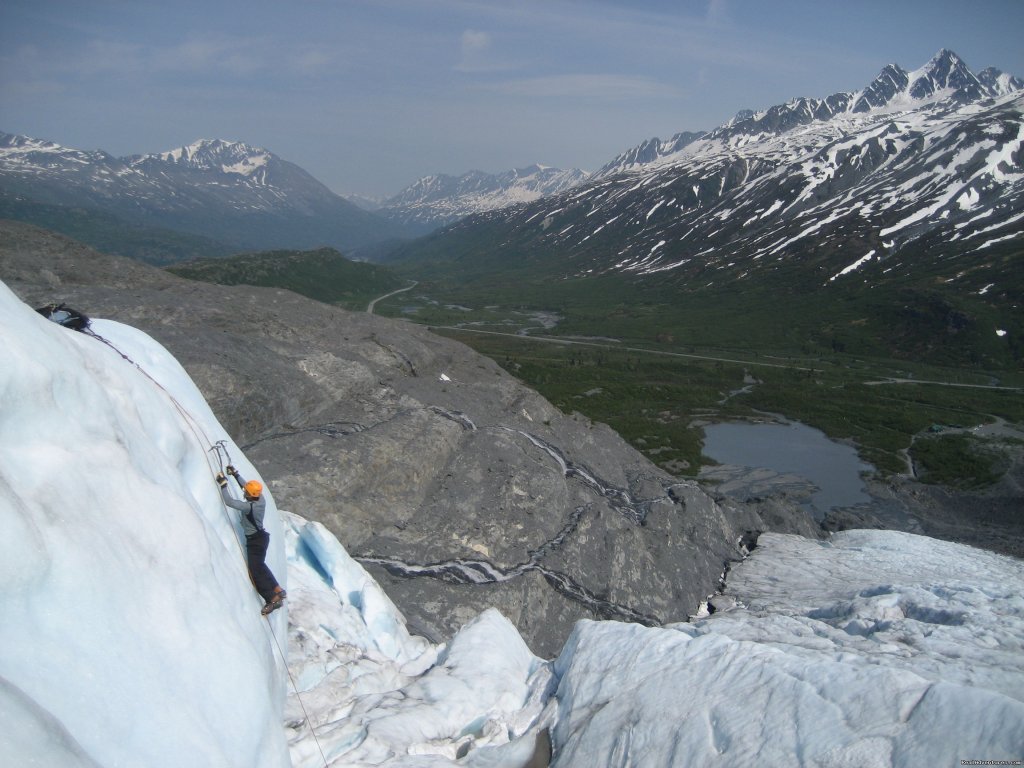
point(371, 95)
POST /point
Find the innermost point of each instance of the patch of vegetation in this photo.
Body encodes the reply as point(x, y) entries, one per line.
point(657, 399)
point(323, 274)
point(650, 401)
point(918, 314)
point(873, 366)
point(956, 460)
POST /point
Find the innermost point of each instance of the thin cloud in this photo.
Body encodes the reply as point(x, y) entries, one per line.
point(105, 56)
point(313, 61)
point(478, 55)
point(236, 57)
point(474, 42)
point(603, 87)
point(718, 12)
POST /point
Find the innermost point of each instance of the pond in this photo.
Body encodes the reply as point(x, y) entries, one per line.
point(795, 449)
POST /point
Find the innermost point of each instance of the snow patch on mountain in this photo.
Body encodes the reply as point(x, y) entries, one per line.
point(213, 154)
point(946, 77)
point(435, 201)
point(26, 155)
point(853, 267)
point(934, 155)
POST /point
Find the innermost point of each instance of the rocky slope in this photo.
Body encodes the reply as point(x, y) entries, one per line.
point(460, 488)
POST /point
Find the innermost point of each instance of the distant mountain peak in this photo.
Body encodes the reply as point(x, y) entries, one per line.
point(440, 199)
point(652, 150)
point(999, 83)
point(945, 59)
point(214, 154)
point(15, 148)
point(945, 77)
point(893, 79)
point(241, 196)
point(945, 72)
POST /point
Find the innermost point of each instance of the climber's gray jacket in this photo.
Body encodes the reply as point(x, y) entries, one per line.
point(252, 511)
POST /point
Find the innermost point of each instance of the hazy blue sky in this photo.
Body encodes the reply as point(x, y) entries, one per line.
point(370, 95)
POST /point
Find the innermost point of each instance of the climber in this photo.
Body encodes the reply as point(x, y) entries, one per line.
point(253, 506)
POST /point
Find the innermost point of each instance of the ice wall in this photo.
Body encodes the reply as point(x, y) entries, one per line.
point(131, 634)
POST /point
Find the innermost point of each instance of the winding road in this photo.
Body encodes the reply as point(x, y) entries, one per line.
point(372, 304)
point(617, 348)
point(752, 363)
point(941, 384)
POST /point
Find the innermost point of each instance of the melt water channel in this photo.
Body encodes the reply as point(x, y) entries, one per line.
point(790, 449)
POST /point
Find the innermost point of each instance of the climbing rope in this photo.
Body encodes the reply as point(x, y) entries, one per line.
point(194, 426)
point(221, 450)
point(298, 698)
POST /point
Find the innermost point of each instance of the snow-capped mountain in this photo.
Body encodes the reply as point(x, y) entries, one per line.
point(435, 201)
point(226, 157)
point(919, 170)
point(945, 78)
point(649, 151)
point(245, 196)
point(365, 202)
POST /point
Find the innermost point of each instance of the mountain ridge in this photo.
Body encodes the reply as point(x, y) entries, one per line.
point(246, 197)
point(435, 201)
point(805, 200)
point(945, 76)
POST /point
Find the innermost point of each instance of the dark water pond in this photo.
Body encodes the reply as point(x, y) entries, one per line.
point(796, 449)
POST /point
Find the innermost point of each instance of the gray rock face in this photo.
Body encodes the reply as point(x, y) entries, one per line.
point(457, 486)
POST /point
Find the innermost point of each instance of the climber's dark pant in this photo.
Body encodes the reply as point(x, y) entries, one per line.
point(256, 553)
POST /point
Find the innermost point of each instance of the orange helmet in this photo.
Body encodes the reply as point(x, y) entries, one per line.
point(254, 488)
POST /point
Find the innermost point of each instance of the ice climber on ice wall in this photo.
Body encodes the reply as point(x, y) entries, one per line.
point(129, 633)
point(253, 507)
